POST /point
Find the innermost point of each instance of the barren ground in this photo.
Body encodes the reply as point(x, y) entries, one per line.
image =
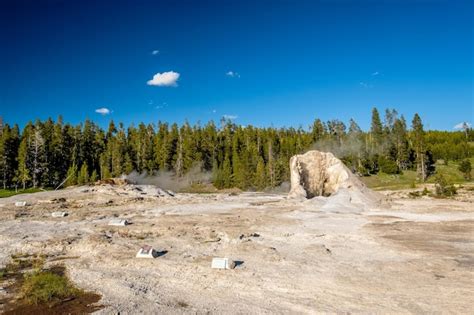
point(413, 256)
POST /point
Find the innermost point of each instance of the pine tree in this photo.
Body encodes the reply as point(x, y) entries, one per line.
point(128, 166)
point(3, 159)
point(94, 176)
point(401, 143)
point(9, 142)
point(271, 165)
point(83, 175)
point(376, 130)
point(260, 175)
point(355, 140)
point(318, 130)
point(71, 176)
point(23, 172)
point(38, 155)
point(117, 151)
point(179, 168)
point(59, 154)
point(418, 140)
point(226, 173)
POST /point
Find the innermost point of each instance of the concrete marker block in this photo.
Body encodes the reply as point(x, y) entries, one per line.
point(118, 222)
point(147, 252)
point(222, 263)
point(59, 214)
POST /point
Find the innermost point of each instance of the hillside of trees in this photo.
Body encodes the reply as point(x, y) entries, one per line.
point(46, 153)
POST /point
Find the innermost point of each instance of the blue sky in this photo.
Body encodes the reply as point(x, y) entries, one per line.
point(280, 63)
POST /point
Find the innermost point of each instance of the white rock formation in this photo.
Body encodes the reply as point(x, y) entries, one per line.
point(318, 173)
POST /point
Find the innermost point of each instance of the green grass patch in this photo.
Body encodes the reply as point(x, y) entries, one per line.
point(46, 286)
point(11, 192)
point(408, 179)
point(450, 172)
point(384, 181)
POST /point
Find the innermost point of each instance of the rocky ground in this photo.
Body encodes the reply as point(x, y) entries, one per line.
point(295, 256)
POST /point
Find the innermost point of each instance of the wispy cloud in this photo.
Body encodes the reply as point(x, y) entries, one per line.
point(164, 79)
point(164, 104)
point(230, 117)
point(365, 85)
point(155, 52)
point(103, 111)
point(462, 125)
point(375, 73)
point(214, 111)
point(232, 74)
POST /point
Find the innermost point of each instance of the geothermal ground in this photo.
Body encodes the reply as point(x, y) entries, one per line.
point(320, 255)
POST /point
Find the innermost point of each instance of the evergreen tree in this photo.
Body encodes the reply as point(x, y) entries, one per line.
point(39, 163)
point(9, 142)
point(401, 143)
point(71, 176)
point(260, 175)
point(226, 173)
point(23, 172)
point(376, 130)
point(94, 177)
point(418, 135)
point(83, 176)
point(318, 131)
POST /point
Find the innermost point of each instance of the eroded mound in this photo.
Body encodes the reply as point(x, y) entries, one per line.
point(317, 173)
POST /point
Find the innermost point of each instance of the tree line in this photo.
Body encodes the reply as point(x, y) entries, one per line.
point(48, 153)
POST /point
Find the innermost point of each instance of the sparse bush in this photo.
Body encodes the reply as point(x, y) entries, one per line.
point(425, 192)
point(199, 188)
point(443, 188)
point(465, 168)
point(414, 194)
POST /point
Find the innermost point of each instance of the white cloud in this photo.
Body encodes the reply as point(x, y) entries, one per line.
point(103, 111)
point(155, 52)
point(461, 125)
point(375, 73)
point(230, 117)
point(164, 79)
point(232, 74)
point(164, 104)
point(214, 111)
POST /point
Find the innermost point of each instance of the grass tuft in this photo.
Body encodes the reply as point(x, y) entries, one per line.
point(45, 286)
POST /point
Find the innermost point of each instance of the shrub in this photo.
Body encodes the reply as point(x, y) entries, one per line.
point(414, 194)
point(465, 168)
point(388, 166)
point(443, 188)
